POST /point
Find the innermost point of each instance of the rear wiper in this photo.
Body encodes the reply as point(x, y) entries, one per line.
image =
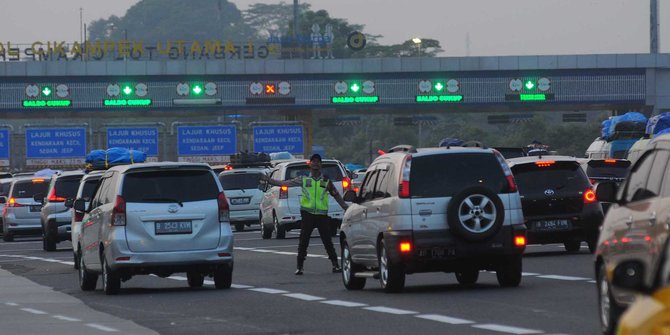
point(164, 200)
point(241, 189)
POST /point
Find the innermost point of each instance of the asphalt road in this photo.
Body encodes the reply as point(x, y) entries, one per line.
point(557, 295)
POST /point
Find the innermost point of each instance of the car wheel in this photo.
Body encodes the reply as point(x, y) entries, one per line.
point(509, 271)
point(391, 276)
point(48, 242)
point(467, 277)
point(572, 246)
point(239, 227)
point(195, 279)
point(475, 214)
point(592, 242)
point(280, 232)
point(349, 270)
point(608, 309)
point(87, 280)
point(111, 281)
point(223, 276)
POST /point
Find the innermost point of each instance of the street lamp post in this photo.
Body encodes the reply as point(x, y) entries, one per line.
point(417, 42)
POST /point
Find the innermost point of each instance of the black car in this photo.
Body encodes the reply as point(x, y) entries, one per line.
point(558, 201)
point(610, 170)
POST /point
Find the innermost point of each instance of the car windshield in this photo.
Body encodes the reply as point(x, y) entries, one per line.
point(179, 185)
point(446, 175)
point(29, 188)
point(559, 176)
point(329, 171)
point(237, 181)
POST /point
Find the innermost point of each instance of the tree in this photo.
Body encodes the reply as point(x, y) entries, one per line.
point(427, 48)
point(162, 20)
point(271, 19)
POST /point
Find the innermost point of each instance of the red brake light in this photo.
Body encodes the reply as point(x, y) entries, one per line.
point(227, 168)
point(224, 209)
point(346, 183)
point(405, 247)
point(545, 163)
point(54, 198)
point(283, 192)
point(589, 196)
point(12, 203)
point(610, 161)
point(119, 212)
point(403, 187)
point(381, 152)
point(511, 184)
point(520, 241)
point(35, 181)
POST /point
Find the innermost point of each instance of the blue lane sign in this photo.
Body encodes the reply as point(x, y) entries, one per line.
point(141, 139)
point(206, 140)
point(4, 147)
point(278, 138)
point(57, 146)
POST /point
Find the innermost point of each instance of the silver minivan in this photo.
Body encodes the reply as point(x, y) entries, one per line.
point(87, 186)
point(55, 216)
point(156, 218)
point(21, 214)
point(244, 197)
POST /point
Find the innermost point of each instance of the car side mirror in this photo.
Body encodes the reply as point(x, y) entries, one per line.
point(354, 175)
point(3, 200)
point(69, 202)
point(350, 196)
point(80, 205)
point(629, 275)
point(39, 197)
point(606, 191)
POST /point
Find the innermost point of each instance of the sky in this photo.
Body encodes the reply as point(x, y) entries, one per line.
point(492, 27)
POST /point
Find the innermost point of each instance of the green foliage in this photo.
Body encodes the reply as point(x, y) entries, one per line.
point(271, 19)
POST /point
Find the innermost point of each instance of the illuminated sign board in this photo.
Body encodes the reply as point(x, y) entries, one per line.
point(529, 97)
point(55, 146)
point(142, 139)
point(4, 147)
point(278, 138)
point(46, 103)
point(439, 98)
point(127, 102)
point(355, 100)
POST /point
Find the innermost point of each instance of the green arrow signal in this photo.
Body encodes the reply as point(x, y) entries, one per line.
point(530, 85)
point(355, 88)
point(197, 90)
point(46, 91)
point(439, 87)
point(127, 90)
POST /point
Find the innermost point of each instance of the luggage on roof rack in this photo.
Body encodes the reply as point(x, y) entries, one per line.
point(104, 159)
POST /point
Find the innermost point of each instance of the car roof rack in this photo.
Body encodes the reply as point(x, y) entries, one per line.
point(403, 148)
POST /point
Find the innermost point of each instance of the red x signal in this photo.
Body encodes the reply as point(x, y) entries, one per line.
point(269, 88)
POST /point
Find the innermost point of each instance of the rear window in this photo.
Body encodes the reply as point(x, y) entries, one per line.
point(446, 175)
point(4, 188)
point(559, 176)
point(67, 187)
point(605, 169)
point(27, 189)
point(165, 186)
point(329, 171)
point(511, 152)
point(236, 181)
point(89, 188)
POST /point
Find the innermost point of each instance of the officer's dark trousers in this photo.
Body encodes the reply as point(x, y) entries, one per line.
point(322, 223)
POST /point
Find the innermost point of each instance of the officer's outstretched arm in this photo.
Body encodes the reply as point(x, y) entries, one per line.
point(336, 195)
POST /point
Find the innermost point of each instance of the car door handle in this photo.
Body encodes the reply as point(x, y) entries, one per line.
point(629, 222)
point(652, 219)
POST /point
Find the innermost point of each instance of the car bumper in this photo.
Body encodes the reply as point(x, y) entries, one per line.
point(245, 215)
point(581, 229)
point(439, 250)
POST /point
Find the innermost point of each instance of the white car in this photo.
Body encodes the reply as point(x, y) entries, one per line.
point(87, 186)
point(244, 197)
point(280, 207)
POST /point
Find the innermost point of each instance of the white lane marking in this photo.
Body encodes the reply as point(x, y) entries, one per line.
point(317, 256)
point(239, 286)
point(34, 311)
point(568, 278)
point(305, 297)
point(243, 248)
point(591, 281)
point(444, 319)
point(390, 310)
point(529, 274)
point(507, 329)
point(286, 253)
point(65, 318)
point(263, 250)
point(211, 282)
point(11, 304)
point(101, 327)
point(267, 290)
point(343, 303)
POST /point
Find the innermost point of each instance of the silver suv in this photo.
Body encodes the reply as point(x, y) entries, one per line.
point(87, 186)
point(55, 217)
point(433, 210)
point(21, 214)
point(241, 189)
point(156, 218)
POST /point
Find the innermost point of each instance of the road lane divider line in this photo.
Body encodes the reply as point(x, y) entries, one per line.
point(13, 304)
point(65, 318)
point(568, 278)
point(390, 310)
point(302, 296)
point(507, 329)
point(343, 303)
point(34, 311)
point(444, 319)
point(237, 286)
point(101, 327)
point(268, 290)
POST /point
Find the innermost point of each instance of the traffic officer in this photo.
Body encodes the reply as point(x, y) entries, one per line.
point(313, 209)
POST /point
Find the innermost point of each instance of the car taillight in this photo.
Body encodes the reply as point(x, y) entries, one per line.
point(589, 196)
point(12, 203)
point(511, 184)
point(403, 187)
point(54, 198)
point(346, 184)
point(545, 163)
point(283, 192)
point(405, 247)
point(520, 241)
point(119, 212)
point(224, 209)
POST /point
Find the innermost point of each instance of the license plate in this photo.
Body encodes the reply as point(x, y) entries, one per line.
point(35, 208)
point(173, 227)
point(240, 201)
point(552, 225)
